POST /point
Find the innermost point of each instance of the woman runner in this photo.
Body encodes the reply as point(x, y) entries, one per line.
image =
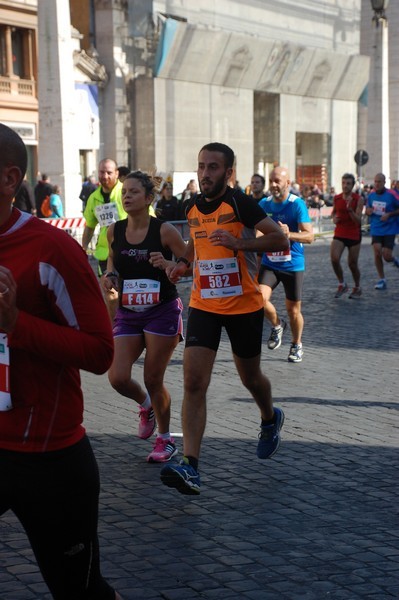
point(150, 311)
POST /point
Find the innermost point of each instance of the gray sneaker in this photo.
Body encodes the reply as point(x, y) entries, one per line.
point(342, 289)
point(276, 335)
point(356, 292)
point(296, 353)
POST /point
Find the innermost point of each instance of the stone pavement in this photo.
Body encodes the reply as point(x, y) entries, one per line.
point(317, 521)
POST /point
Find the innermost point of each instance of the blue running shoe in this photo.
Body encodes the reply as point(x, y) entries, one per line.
point(181, 476)
point(381, 285)
point(269, 436)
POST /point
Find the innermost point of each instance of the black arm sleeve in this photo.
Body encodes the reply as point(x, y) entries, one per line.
point(249, 211)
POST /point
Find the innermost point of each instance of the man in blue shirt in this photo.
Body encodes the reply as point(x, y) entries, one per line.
point(290, 212)
point(383, 209)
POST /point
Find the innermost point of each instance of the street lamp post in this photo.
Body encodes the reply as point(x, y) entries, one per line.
point(381, 34)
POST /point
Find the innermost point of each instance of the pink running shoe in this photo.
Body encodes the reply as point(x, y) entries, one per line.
point(163, 450)
point(147, 422)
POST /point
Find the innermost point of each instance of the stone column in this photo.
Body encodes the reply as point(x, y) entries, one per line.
point(58, 147)
point(28, 42)
point(9, 67)
point(378, 128)
point(111, 36)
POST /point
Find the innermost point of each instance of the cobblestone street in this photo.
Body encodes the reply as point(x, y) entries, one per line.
point(318, 521)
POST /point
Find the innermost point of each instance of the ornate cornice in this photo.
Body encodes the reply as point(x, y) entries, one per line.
point(90, 67)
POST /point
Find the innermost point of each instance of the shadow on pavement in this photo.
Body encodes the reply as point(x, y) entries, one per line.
point(313, 522)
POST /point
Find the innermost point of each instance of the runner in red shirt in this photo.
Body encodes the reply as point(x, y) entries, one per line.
point(347, 215)
point(53, 322)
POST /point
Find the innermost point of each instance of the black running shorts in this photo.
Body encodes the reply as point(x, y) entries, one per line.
point(291, 280)
point(244, 331)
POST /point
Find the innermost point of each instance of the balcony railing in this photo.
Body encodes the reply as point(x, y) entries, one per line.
point(17, 87)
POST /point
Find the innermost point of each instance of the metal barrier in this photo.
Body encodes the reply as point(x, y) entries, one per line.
point(75, 227)
point(323, 225)
point(321, 221)
point(183, 229)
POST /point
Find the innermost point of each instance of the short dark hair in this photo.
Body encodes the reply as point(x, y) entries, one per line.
point(225, 150)
point(123, 171)
point(260, 177)
point(146, 181)
point(349, 176)
point(12, 150)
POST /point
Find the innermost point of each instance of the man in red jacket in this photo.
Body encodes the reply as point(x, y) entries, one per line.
point(53, 322)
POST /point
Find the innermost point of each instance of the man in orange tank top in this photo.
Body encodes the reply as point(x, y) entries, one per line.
point(223, 248)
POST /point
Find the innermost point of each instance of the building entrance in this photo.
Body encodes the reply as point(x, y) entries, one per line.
point(313, 160)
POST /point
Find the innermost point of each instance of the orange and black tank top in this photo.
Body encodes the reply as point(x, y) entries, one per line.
point(224, 280)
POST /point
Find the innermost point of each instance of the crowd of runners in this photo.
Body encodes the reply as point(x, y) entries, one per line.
point(241, 247)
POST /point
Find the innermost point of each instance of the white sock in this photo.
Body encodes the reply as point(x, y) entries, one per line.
point(147, 403)
point(164, 436)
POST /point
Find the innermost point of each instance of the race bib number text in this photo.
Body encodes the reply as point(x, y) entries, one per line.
point(107, 214)
point(140, 294)
point(379, 208)
point(219, 278)
point(281, 256)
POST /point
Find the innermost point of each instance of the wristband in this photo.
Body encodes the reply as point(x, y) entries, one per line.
point(184, 260)
point(111, 274)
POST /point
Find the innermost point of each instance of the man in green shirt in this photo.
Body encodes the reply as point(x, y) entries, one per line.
point(104, 207)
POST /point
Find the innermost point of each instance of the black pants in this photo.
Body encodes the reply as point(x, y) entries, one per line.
point(55, 497)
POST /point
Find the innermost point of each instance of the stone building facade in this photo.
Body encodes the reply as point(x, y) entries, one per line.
point(278, 81)
point(18, 73)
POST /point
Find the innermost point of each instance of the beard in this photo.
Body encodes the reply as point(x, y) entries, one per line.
point(215, 190)
point(280, 194)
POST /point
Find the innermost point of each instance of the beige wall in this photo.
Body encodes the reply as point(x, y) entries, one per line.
point(188, 115)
